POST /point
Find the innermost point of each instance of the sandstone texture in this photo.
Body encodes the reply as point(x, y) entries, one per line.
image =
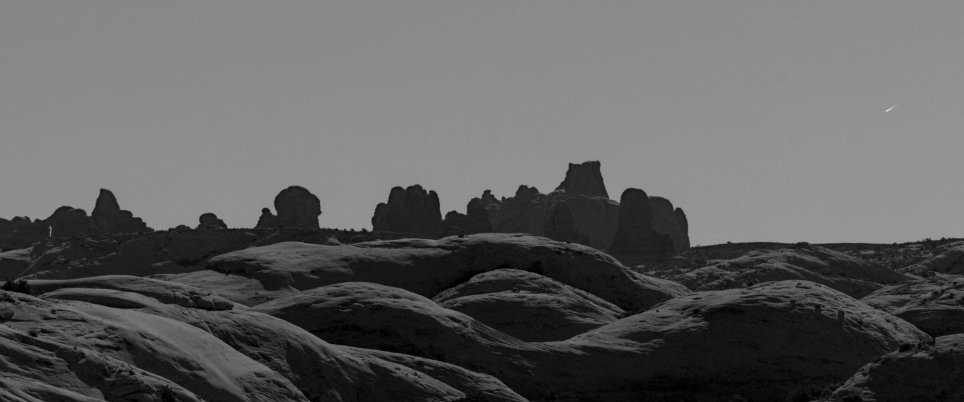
point(427, 267)
point(409, 210)
point(846, 273)
point(528, 306)
point(935, 304)
point(926, 371)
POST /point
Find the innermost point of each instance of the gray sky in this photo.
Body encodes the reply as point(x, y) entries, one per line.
point(764, 120)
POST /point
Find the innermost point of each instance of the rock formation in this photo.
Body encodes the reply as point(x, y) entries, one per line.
point(924, 371)
point(69, 222)
point(634, 233)
point(210, 221)
point(594, 217)
point(559, 225)
point(664, 221)
point(108, 217)
point(523, 213)
point(409, 210)
point(296, 207)
point(529, 306)
point(267, 220)
point(475, 220)
point(684, 226)
point(584, 179)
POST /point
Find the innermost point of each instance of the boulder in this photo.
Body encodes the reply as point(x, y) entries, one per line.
point(409, 210)
point(210, 221)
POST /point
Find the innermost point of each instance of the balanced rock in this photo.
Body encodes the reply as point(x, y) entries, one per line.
point(108, 217)
point(584, 179)
point(210, 221)
point(409, 210)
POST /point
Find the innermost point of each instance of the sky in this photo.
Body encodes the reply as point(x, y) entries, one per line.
point(763, 120)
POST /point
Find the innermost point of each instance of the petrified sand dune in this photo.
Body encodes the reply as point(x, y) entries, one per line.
point(929, 371)
point(528, 306)
point(170, 349)
point(428, 267)
point(766, 342)
point(934, 304)
point(837, 270)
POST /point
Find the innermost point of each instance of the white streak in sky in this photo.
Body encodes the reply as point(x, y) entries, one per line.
point(891, 108)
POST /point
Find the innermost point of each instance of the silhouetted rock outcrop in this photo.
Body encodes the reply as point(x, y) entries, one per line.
point(296, 207)
point(210, 221)
point(584, 179)
point(475, 220)
point(684, 226)
point(664, 221)
point(108, 217)
point(267, 220)
point(69, 222)
point(409, 210)
point(559, 225)
point(635, 232)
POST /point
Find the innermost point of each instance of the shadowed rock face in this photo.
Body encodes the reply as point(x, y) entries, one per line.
point(635, 223)
point(476, 220)
point(559, 225)
point(409, 210)
point(267, 220)
point(108, 217)
point(684, 226)
point(297, 207)
point(584, 179)
point(664, 221)
point(210, 221)
point(68, 222)
point(929, 371)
